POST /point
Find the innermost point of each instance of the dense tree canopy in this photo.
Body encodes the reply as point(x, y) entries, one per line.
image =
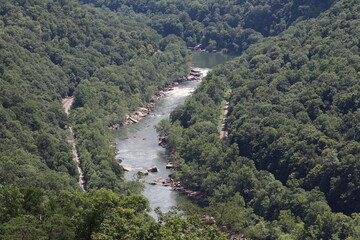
point(27, 213)
point(292, 157)
point(289, 170)
point(49, 49)
point(227, 25)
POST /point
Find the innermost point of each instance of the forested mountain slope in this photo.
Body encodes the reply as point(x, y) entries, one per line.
point(112, 63)
point(226, 25)
point(48, 48)
point(290, 168)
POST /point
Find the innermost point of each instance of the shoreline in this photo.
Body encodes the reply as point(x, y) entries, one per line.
point(175, 185)
point(194, 75)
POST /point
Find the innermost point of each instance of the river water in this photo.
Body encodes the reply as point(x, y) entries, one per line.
point(137, 144)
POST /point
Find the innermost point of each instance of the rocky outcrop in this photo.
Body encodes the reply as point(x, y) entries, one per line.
point(176, 186)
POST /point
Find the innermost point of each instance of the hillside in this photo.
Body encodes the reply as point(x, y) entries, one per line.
point(226, 25)
point(290, 167)
point(50, 50)
point(112, 64)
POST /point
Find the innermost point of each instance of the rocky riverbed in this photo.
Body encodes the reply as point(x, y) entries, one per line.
point(194, 75)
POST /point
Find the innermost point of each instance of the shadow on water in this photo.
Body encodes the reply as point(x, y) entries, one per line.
point(210, 60)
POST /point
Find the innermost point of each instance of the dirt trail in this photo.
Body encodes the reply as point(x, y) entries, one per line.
point(67, 102)
point(224, 131)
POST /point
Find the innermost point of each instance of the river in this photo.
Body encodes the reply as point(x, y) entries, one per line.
point(140, 149)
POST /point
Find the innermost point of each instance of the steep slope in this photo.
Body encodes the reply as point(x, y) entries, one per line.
point(292, 157)
point(226, 25)
point(49, 49)
point(112, 64)
point(293, 153)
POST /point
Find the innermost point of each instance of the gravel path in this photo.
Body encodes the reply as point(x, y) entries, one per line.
point(67, 102)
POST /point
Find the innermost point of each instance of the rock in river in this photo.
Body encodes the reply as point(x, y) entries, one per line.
point(153, 169)
point(169, 165)
point(127, 169)
point(143, 172)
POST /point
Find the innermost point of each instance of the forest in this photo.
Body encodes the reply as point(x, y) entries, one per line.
point(289, 169)
point(44, 59)
point(290, 166)
point(226, 25)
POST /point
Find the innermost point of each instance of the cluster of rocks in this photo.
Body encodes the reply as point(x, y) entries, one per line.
point(151, 169)
point(135, 117)
point(166, 182)
point(144, 111)
point(198, 48)
point(194, 75)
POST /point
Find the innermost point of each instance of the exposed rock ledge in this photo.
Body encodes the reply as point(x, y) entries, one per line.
point(142, 112)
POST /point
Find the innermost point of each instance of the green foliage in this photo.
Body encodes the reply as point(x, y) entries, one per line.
point(291, 160)
point(293, 140)
point(229, 25)
point(112, 93)
point(111, 63)
point(175, 226)
point(97, 214)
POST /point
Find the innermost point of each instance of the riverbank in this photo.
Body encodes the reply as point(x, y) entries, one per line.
point(176, 186)
point(195, 75)
point(198, 49)
point(138, 144)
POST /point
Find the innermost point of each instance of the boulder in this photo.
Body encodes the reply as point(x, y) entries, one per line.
point(153, 169)
point(143, 172)
point(162, 141)
point(169, 165)
point(164, 181)
point(195, 74)
point(133, 120)
point(127, 169)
